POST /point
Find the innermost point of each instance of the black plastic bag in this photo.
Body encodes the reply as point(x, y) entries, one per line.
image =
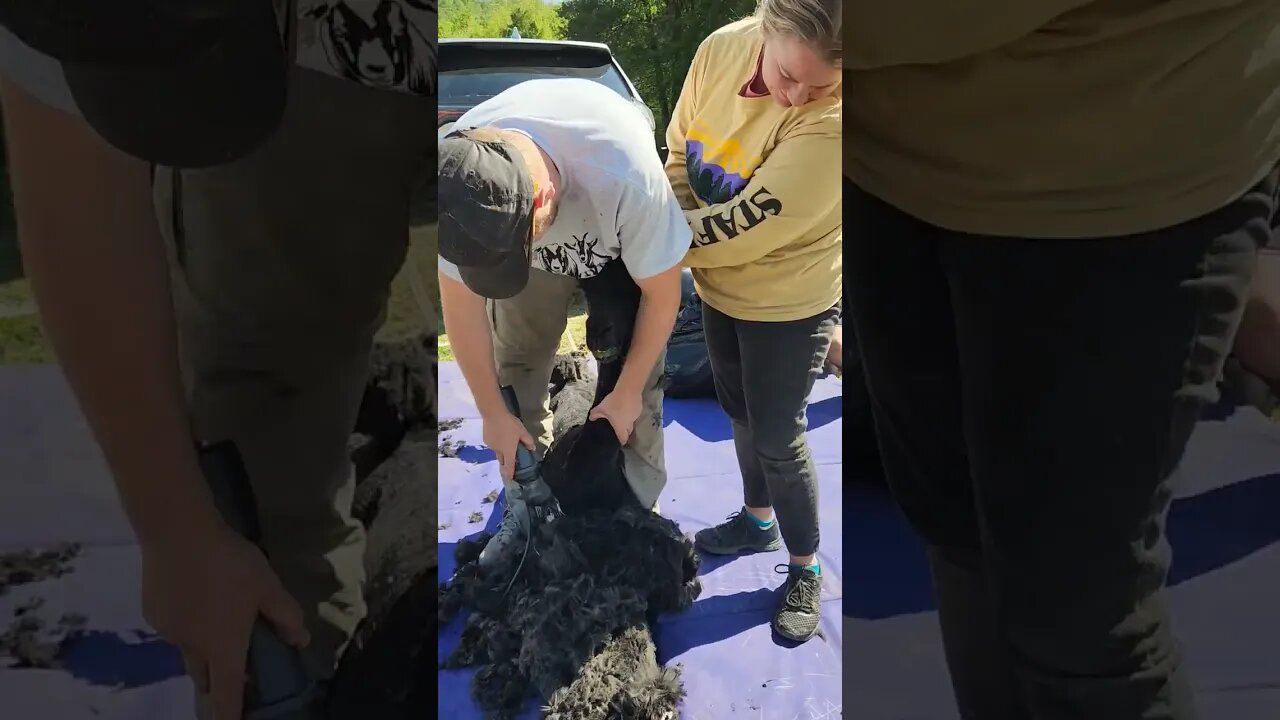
point(688, 366)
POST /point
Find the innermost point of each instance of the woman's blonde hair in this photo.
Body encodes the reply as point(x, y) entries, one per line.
point(813, 22)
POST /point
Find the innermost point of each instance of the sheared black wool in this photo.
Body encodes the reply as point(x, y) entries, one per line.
point(576, 624)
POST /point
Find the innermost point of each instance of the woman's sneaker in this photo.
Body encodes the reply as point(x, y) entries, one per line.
point(797, 618)
point(741, 533)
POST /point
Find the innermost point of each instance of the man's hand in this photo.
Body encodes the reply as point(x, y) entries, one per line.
point(202, 593)
point(835, 353)
point(621, 409)
point(502, 433)
point(94, 253)
point(466, 321)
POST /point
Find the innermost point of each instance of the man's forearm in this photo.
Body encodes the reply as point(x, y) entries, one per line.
point(99, 273)
point(654, 321)
point(467, 325)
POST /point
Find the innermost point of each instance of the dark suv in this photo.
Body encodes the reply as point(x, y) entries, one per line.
point(472, 71)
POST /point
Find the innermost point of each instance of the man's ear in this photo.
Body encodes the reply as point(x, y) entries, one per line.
point(546, 195)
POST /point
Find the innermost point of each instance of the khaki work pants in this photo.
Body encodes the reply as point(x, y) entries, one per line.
point(283, 261)
point(526, 335)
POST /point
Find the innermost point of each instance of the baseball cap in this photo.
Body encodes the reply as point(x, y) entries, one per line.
point(182, 83)
point(485, 196)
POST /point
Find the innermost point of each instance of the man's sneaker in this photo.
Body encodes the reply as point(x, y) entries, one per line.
point(519, 516)
point(797, 618)
point(511, 535)
point(739, 534)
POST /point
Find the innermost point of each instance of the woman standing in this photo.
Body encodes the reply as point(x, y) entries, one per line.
point(1055, 213)
point(754, 157)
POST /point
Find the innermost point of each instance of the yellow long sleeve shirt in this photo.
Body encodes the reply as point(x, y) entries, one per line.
point(1061, 118)
point(760, 186)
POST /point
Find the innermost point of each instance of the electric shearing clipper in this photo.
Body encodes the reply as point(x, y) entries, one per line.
point(529, 498)
point(530, 487)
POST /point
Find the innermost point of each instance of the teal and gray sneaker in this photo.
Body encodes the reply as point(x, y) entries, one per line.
point(797, 618)
point(739, 534)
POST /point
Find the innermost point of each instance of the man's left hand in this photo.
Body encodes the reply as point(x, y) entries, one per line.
point(621, 409)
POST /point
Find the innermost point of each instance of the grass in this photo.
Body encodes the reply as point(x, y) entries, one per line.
point(15, 295)
point(575, 334)
point(403, 309)
point(21, 337)
point(23, 341)
point(574, 337)
point(405, 314)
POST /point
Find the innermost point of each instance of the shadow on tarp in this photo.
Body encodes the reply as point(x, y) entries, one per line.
point(717, 618)
point(704, 419)
point(708, 563)
point(1224, 525)
point(475, 454)
point(122, 661)
point(1207, 531)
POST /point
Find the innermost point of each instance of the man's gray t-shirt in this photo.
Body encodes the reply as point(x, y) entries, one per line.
point(379, 43)
point(615, 199)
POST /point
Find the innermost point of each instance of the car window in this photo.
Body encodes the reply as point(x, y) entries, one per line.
point(467, 78)
point(471, 87)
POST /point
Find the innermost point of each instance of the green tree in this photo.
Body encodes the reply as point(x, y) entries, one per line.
point(537, 19)
point(496, 18)
point(654, 40)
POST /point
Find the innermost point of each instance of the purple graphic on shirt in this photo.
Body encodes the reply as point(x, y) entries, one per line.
point(709, 181)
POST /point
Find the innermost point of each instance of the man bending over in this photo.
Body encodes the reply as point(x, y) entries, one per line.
point(541, 186)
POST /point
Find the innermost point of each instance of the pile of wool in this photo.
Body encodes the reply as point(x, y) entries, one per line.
point(576, 625)
point(572, 619)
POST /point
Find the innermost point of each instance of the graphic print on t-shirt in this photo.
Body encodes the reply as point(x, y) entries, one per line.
point(577, 258)
point(385, 44)
point(718, 168)
point(719, 171)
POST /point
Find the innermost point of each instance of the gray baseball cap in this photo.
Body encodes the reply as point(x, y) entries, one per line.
point(486, 200)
